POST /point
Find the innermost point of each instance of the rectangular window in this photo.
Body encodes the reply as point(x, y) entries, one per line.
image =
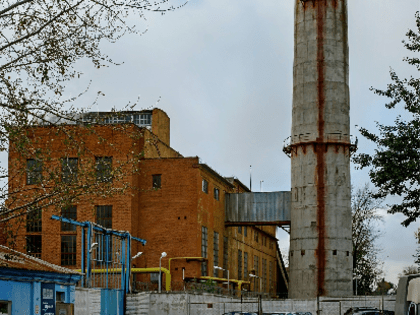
point(33, 171)
point(69, 170)
point(216, 251)
point(256, 265)
point(154, 277)
point(239, 229)
point(270, 276)
point(104, 216)
point(257, 273)
point(142, 119)
point(256, 236)
point(245, 231)
point(245, 266)
point(68, 250)
point(216, 193)
point(239, 264)
point(205, 186)
point(6, 307)
point(34, 221)
point(264, 274)
point(157, 184)
point(104, 169)
point(69, 213)
point(34, 245)
point(204, 250)
point(225, 256)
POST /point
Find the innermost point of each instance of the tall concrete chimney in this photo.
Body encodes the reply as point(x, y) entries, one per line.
point(320, 239)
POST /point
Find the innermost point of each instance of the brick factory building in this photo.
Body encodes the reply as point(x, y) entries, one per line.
point(175, 203)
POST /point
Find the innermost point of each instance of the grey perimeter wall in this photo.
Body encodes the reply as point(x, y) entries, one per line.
point(88, 302)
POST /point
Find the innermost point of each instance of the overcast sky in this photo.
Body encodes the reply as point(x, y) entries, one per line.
point(223, 73)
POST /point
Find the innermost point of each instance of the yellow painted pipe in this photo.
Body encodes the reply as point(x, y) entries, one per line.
point(139, 270)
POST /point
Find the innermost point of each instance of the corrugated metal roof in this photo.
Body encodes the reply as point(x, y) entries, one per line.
point(10, 258)
point(258, 207)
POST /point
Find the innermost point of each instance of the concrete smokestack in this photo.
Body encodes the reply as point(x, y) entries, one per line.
point(320, 240)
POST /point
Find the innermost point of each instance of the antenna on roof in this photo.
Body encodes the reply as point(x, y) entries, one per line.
point(250, 179)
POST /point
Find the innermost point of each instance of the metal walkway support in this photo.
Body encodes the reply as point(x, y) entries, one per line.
point(258, 208)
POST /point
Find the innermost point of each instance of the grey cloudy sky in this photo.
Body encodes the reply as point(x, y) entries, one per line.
point(223, 70)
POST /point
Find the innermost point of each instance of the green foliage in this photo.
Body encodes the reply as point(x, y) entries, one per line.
point(40, 44)
point(366, 264)
point(395, 165)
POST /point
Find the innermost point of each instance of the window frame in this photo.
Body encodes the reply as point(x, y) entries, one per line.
point(33, 172)
point(205, 186)
point(69, 170)
point(9, 306)
point(216, 193)
point(102, 219)
point(32, 225)
point(69, 212)
point(157, 181)
point(32, 245)
point(68, 258)
point(215, 252)
point(204, 249)
point(239, 264)
point(103, 169)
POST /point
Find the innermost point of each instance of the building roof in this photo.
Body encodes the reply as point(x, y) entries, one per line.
point(12, 259)
point(234, 180)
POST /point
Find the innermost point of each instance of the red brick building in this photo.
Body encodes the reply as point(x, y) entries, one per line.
point(175, 203)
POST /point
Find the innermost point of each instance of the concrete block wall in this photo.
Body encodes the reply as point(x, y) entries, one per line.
point(138, 304)
point(88, 301)
point(209, 304)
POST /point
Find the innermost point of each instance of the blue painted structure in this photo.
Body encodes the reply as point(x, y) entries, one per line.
point(110, 258)
point(24, 279)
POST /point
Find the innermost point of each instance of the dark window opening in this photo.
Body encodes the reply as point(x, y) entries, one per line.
point(69, 213)
point(33, 171)
point(104, 169)
point(205, 186)
point(216, 194)
point(334, 252)
point(204, 239)
point(216, 252)
point(157, 181)
point(104, 216)
point(68, 250)
point(34, 221)
point(245, 231)
point(34, 245)
point(225, 256)
point(69, 170)
point(245, 265)
point(239, 229)
point(302, 252)
point(239, 264)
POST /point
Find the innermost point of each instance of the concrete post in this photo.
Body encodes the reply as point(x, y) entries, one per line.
point(320, 240)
